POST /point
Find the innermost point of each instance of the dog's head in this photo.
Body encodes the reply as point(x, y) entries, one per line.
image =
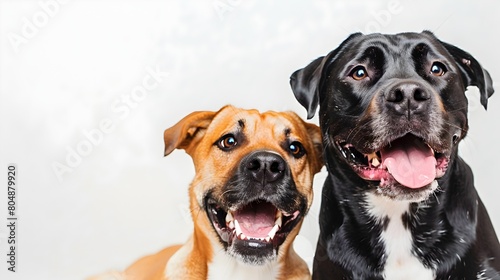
point(253, 182)
point(392, 108)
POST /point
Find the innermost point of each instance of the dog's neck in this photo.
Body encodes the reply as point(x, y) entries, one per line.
point(224, 266)
point(397, 239)
point(393, 228)
point(218, 265)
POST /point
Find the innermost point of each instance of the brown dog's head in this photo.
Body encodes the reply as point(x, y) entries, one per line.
point(254, 174)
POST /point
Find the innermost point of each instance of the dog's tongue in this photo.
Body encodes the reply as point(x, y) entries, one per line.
point(256, 219)
point(410, 161)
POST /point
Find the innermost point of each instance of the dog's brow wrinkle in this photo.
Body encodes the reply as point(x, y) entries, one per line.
point(287, 131)
point(241, 123)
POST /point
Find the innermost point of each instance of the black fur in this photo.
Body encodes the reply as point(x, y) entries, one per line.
point(451, 229)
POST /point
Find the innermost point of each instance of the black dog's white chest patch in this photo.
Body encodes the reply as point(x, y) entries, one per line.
point(400, 261)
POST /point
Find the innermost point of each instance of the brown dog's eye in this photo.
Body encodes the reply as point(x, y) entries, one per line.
point(296, 149)
point(438, 69)
point(227, 142)
point(359, 73)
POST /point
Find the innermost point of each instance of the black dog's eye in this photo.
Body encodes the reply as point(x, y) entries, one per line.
point(227, 142)
point(296, 149)
point(438, 69)
point(359, 73)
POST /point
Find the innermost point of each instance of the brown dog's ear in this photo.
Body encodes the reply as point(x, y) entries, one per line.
point(187, 131)
point(314, 133)
point(473, 74)
point(306, 83)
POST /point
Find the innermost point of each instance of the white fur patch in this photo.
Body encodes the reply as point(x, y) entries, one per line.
point(224, 266)
point(176, 268)
point(401, 263)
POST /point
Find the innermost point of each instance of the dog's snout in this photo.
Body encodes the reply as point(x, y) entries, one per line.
point(265, 167)
point(407, 98)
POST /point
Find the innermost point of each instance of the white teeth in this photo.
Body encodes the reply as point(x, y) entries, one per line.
point(239, 233)
point(373, 159)
point(273, 231)
point(278, 221)
point(237, 228)
point(235, 225)
point(229, 217)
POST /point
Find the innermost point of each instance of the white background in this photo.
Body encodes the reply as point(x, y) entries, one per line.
point(65, 67)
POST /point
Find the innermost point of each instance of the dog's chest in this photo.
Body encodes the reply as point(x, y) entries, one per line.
point(226, 267)
point(400, 263)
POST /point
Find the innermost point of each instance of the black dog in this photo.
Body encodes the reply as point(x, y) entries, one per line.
point(399, 203)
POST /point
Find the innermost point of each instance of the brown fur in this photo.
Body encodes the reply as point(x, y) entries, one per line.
point(196, 134)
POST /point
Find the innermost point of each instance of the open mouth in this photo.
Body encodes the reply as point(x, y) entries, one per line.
point(408, 160)
point(259, 222)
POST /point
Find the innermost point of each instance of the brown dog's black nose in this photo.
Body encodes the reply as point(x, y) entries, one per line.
point(264, 167)
point(407, 99)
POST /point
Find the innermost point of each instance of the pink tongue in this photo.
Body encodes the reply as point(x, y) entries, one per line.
point(410, 161)
point(256, 219)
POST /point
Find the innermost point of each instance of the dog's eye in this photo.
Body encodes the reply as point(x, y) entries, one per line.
point(438, 69)
point(296, 149)
point(359, 73)
point(227, 142)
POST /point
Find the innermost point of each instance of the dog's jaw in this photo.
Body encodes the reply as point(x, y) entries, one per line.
point(252, 232)
point(382, 171)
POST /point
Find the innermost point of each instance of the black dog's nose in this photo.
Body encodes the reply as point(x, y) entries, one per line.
point(264, 167)
point(407, 99)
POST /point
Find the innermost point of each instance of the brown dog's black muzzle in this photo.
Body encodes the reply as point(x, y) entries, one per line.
point(263, 167)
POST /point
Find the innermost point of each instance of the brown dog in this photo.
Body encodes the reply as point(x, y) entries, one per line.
point(251, 191)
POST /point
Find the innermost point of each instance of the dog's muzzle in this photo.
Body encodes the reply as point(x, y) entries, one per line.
point(405, 154)
point(258, 208)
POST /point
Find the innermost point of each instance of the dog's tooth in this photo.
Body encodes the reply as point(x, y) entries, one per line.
point(278, 221)
point(375, 162)
point(273, 231)
point(229, 217)
point(278, 214)
point(237, 227)
point(243, 237)
point(371, 156)
point(267, 239)
point(231, 224)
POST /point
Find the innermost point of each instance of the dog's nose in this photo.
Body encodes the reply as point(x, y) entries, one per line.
point(407, 99)
point(264, 167)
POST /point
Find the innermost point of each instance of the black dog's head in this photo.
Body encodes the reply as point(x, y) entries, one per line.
point(392, 108)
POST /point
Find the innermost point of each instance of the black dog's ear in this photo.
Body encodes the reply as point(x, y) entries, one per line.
point(305, 85)
point(473, 74)
point(306, 82)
